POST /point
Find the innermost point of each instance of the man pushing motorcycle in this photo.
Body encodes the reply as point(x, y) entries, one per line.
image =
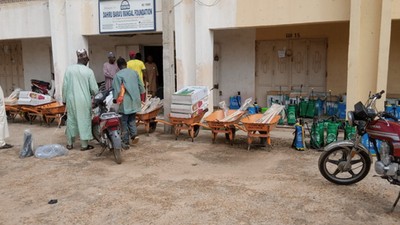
point(131, 100)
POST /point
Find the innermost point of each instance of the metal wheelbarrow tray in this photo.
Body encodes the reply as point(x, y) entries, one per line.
point(252, 127)
point(192, 125)
point(31, 112)
point(53, 112)
point(227, 127)
point(148, 119)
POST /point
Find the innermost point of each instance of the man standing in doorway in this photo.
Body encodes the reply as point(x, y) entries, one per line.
point(78, 86)
point(131, 103)
point(110, 68)
point(135, 63)
point(151, 75)
point(3, 123)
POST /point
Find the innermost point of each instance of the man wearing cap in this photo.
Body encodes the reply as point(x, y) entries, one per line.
point(110, 68)
point(78, 86)
point(135, 63)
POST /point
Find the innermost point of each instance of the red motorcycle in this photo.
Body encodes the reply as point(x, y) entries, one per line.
point(349, 161)
point(106, 126)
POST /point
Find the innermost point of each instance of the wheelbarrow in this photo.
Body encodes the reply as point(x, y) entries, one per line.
point(192, 125)
point(31, 112)
point(148, 119)
point(54, 112)
point(251, 126)
point(215, 121)
point(13, 111)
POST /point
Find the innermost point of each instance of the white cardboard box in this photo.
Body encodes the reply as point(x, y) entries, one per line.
point(189, 108)
point(186, 115)
point(190, 95)
point(32, 98)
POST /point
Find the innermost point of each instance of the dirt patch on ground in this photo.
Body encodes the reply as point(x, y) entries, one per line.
point(164, 181)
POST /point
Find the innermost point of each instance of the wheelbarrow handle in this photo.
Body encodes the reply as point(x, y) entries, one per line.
point(164, 122)
point(202, 125)
point(240, 127)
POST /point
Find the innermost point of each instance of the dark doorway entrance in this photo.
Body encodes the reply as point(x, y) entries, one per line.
point(157, 53)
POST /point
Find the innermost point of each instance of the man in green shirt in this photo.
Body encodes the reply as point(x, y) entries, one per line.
point(131, 103)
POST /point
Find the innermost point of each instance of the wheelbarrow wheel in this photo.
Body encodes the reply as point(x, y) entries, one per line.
point(26, 116)
point(196, 129)
point(233, 134)
point(233, 130)
point(227, 136)
point(31, 118)
point(152, 126)
point(263, 141)
point(51, 120)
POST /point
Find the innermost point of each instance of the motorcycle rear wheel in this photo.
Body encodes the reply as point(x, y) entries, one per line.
point(331, 166)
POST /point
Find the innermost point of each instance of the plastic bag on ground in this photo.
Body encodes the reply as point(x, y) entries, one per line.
point(26, 150)
point(50, 151)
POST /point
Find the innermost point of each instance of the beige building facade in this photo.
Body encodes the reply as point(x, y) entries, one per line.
point(255, 47)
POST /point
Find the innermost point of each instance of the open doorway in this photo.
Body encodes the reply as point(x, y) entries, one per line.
point(157, 53)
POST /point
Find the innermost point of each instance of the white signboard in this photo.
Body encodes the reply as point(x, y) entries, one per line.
point(126, 15)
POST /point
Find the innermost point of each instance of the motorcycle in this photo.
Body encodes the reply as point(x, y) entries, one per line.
point(42, 87)
point(349, 161)
point(106, 125)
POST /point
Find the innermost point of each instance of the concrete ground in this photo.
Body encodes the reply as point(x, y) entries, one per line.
point(166, 181)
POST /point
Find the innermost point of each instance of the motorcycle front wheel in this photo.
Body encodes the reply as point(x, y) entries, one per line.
point(96, 132)
point(116, 145)
point(332, 165)
point(117, 155)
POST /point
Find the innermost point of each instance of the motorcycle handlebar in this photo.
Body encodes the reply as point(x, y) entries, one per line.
point(389, 115)
point(378, 95)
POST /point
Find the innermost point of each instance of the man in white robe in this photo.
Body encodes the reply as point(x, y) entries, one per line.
point(3, 123)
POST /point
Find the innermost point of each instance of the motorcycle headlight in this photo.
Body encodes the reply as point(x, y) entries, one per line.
point(98, 96)
point(350, 118)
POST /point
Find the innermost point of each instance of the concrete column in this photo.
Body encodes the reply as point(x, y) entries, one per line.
point(65, 25)
point(75, 21)
point(58, 27)
point(367, 45)
point(168, 56)
point(384, 49)
point(185, 43)
point(204, 50)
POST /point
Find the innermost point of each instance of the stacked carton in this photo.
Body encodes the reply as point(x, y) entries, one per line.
point(32, 98)
point(189, 102)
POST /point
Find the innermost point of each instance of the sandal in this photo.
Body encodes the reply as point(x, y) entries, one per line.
point(6, 146)
point(87, 148)
point(69, 147)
